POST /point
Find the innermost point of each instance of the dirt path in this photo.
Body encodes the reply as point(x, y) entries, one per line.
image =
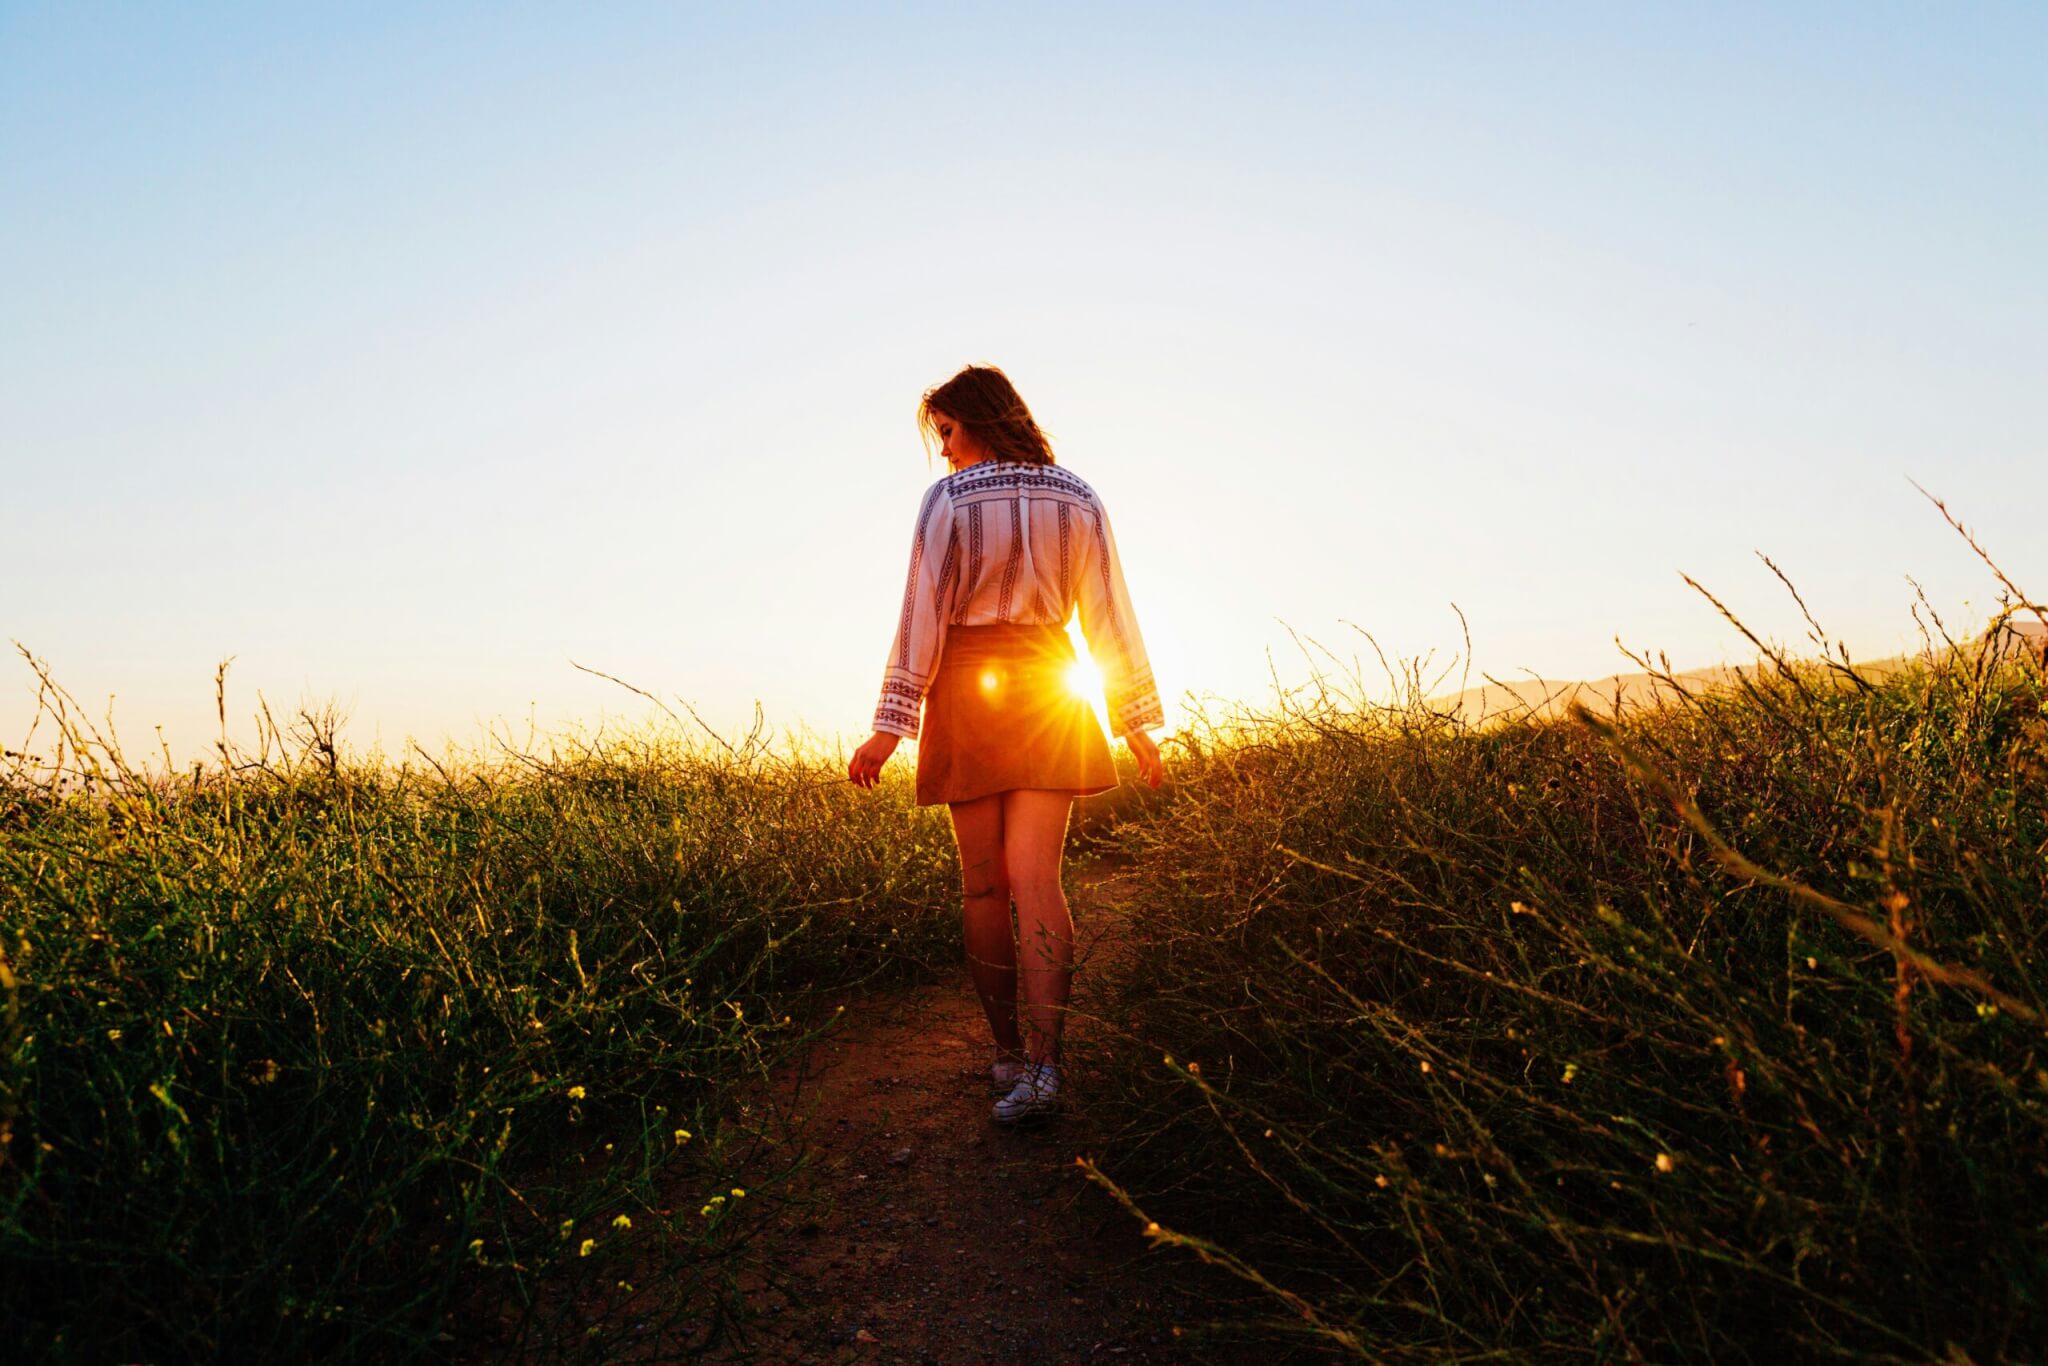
point(924, 1232)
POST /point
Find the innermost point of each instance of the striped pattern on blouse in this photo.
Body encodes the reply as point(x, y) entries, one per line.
point(1006, 541)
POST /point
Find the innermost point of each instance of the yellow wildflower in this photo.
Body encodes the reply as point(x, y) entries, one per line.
point(577, 1093)
point(588, 1243)
point(622, 1221)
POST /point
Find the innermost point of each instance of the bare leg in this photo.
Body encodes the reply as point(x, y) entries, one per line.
point(1034, 831)
point(991, 946)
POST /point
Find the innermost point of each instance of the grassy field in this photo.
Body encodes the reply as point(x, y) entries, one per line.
point(308, 1058)
point(1715, 1033)
point(1711, 1032)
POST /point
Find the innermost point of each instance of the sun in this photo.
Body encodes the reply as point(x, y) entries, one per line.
point(1084, 680)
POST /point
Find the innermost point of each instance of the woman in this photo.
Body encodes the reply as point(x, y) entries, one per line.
point(1007, 546)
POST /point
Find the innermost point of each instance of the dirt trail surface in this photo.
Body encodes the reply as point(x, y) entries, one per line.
point(922, 1231)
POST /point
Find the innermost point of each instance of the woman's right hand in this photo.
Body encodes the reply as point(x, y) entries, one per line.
point(866, 765)
point(1151, 768)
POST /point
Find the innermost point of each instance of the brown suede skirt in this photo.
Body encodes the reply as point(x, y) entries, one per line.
point(1000, 715)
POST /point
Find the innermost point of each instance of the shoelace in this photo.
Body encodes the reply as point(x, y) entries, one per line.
point(1035, 1090)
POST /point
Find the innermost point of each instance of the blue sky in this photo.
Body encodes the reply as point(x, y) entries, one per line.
point(405, 353)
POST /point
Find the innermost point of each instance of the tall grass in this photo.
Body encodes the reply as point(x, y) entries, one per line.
point(306, 1055)
point(1714, 1032)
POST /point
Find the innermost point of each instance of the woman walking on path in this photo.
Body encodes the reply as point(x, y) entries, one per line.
point(1007, 546)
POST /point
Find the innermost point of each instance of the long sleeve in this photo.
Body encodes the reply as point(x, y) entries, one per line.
point(921, 628)
point(1112, 631)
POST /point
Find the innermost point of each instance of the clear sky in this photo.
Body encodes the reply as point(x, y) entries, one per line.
point(407, 352)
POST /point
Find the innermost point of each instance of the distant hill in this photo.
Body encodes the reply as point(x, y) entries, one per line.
point(1548, 699)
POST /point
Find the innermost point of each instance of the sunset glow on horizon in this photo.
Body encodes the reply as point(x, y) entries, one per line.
point(405, 357)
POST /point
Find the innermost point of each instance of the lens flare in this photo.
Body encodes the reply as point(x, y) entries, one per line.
point(1084, 680)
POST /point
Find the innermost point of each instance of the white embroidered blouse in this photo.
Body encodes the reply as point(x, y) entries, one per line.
point(1007, 541)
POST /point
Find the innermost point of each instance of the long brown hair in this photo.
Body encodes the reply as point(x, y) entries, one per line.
point(982, 401)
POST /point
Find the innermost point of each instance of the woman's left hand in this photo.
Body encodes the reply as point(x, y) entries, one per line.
point(1151, 769)
point(866, 764)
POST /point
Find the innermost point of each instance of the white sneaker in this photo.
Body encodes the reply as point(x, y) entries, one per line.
point(1037, 1092)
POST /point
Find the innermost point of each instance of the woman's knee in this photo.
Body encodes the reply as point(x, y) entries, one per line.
point(1037, 889)
point(985, 880)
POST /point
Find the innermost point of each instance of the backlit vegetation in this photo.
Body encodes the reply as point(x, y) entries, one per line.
point(1712, 1031)
point(1716, 1032)
point(302, 1056)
